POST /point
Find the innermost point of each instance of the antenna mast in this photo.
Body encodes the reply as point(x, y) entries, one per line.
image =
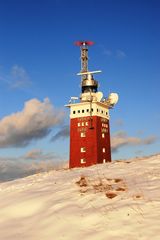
point(84, 55)
point(87, 80)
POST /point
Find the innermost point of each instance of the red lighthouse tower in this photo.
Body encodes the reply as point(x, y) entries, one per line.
point(89, 118)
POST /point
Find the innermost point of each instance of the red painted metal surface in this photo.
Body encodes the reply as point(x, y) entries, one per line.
point(93, 141)
point(81, 43)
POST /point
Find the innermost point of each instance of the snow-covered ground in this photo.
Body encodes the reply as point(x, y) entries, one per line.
point(113, 201)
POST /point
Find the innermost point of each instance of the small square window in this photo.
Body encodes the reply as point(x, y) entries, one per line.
point(92, 109)
point(83, 111)
point(78, 111)
point(83, 160)
point(97, 109)
point(82, 123)
point(83, 134)
point(103, 150)
point(86, 123)
point(87, 110)
point(102, 111)
point(83, 149)
point(103, 136)
point(74, 112)
point(104, 160)
point(79, 124)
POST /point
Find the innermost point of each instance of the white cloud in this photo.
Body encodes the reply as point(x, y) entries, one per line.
point(19, 77)
point(120, 54)
point(34, 154)
point(107, 52)
point(32, 162)
point(119, 122)
point(62, 133)
point(120, 139)
point(33, 122)
point(38, 154)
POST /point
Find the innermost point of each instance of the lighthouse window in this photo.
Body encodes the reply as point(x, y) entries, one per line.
point(74, 112)
point(83, 160)
point(103, 135)
point(78, 111)
point(82, 123)
point(106, 113)
point(87, 110)
point(83, 149)
point(104, 160)
point(92, 109)
point(86, 123)
point(83, 111)
point(97, 109)
point(103, 150)
point(102, 111)
point(83, 134)
point(79, 124)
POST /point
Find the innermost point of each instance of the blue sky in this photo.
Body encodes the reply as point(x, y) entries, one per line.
point(38, 60)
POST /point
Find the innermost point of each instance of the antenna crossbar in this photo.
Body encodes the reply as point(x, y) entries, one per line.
point(87, 73)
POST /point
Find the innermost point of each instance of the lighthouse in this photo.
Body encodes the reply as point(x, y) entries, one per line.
point(89, 118)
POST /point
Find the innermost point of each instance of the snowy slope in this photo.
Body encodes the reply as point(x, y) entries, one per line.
point(119, 200)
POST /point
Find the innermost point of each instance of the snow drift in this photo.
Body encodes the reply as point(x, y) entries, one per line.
point(115, 201)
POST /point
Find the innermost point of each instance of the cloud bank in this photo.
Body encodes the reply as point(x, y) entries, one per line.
point(120, 139)
point(11, 169)
point(61, 134)
point(34, 161)
point(39, 155)
point(34, 154)
point(35, 121)
point(19, 77)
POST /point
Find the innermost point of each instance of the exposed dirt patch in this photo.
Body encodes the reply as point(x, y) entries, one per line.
point(117, 180)
point(137, 196)
point(120, 189)
point(82, 182)
point(111, 195)
point(111, 187)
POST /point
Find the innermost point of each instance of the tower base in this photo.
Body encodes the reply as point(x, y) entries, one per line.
point(89, 141)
